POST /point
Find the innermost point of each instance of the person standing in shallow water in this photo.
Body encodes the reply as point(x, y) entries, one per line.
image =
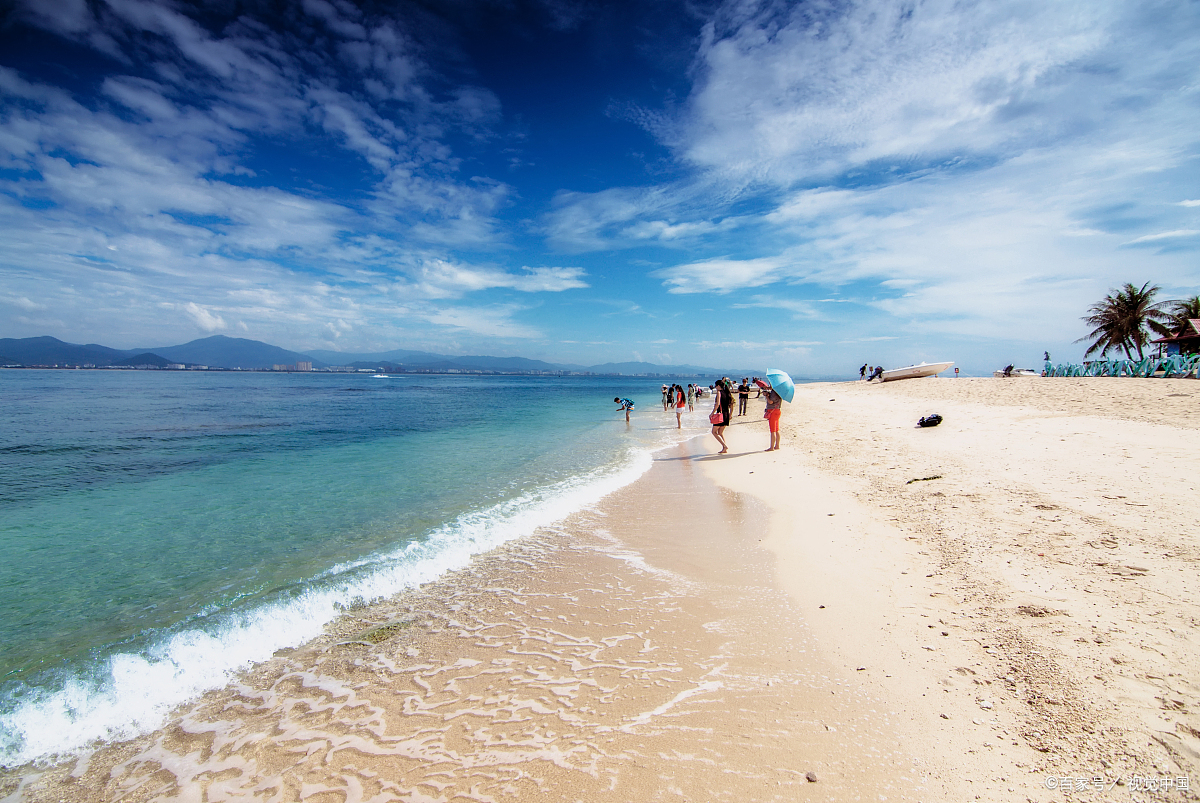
point(680, 400)
point(773, 413)
point(691, 396)
point(624, 404)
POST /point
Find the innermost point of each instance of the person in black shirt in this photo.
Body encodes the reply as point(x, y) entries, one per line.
point(743, 395)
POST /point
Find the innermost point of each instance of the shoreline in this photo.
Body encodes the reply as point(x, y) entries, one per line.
point(670, 643)
point(637, 650)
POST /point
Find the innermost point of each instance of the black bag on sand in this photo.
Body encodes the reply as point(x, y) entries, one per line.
point(931, 420)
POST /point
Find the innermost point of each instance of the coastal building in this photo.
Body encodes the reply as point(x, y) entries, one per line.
point(1186, 342)
point(304, 366)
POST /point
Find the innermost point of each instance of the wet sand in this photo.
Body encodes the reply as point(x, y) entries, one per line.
point(974, 611)
point(642, 651)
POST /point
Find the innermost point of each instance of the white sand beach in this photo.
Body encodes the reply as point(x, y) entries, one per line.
point(875, 612)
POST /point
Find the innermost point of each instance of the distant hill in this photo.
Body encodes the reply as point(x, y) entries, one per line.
point(52, 351)
point(147, 358)
point(220, 351)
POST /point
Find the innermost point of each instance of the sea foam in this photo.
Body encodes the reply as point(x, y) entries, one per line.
point(131, 693)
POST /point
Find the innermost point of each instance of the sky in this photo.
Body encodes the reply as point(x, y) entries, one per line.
point(808, 186)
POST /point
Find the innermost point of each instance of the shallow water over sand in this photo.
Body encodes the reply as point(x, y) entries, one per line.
point(160, 530)
point(614, 657)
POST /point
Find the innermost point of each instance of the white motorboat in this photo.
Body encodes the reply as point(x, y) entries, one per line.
point(1018, 372)
point(915, 371)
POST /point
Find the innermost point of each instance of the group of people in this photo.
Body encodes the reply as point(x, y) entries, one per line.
point(875, 371)
point(722, 411)
point(675, 398)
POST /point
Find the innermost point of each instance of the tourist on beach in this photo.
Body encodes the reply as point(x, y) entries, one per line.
point(664, 398)
point(774, 411)
point(691, 396)
point(722, 404)
point(877, 373)
point(680, 401)
point(862, 372)
point(743, 395)
point(624, 404)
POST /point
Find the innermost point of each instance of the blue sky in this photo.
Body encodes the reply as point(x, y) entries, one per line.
point(801, 185)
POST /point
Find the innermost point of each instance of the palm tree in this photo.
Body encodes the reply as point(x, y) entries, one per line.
point(1178, 315)
point(1120, 320)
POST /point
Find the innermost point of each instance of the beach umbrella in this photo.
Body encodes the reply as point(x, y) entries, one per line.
point(782, 383)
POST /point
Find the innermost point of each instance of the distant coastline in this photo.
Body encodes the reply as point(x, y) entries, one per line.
point(220, 353)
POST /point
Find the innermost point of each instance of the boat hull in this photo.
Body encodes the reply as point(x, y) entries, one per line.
point(915, 371)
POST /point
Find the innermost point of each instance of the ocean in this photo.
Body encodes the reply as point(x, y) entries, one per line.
point(161, 531)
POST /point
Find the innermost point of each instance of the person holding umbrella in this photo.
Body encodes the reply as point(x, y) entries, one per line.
point(779, 388)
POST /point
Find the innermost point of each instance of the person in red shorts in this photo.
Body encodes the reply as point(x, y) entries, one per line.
point(774, 411)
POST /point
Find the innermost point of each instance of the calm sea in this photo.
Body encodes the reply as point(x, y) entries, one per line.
point(161, 530)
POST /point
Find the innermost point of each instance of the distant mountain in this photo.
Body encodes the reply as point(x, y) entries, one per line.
point(52, 351)
point(139, 360)
point(220, 351)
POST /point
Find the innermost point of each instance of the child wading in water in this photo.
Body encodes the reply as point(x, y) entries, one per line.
point(624, 404)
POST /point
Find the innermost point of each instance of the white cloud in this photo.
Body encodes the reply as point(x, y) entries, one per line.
point(723, 275)
point(204, 318)
point(791, 92)
point(1165, 235)
point(1189, 203)
point(492, 321)
point(799, 309)
point(129, 200)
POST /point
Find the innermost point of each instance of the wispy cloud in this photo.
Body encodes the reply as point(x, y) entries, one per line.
point(157, 186)
point(799, 309)
point(1164, 235)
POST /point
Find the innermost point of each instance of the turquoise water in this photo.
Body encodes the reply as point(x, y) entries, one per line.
point(160, 530)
